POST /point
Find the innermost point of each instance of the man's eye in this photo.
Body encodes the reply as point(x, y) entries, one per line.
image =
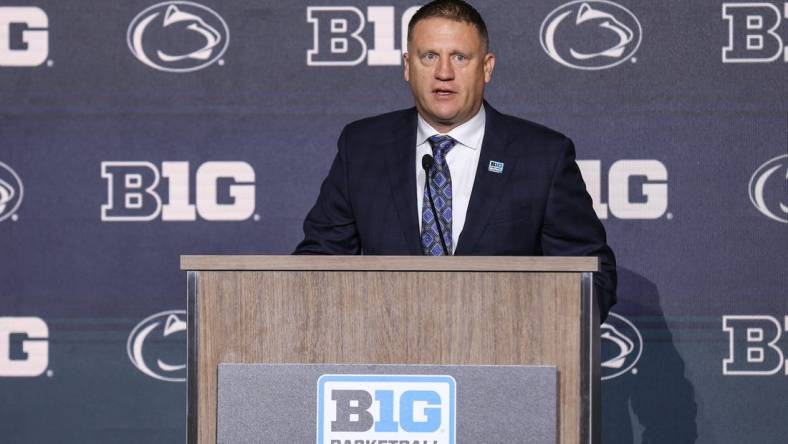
point(430, 56)
point(460, 58)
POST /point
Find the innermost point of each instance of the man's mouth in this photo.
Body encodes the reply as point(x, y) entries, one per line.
point(440, 92)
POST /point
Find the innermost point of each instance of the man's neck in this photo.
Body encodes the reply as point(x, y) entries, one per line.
point(445, 127)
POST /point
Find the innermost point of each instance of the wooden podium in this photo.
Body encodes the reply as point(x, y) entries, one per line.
point(395, 310)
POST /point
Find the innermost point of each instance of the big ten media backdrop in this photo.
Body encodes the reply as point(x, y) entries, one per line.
point(132, 132)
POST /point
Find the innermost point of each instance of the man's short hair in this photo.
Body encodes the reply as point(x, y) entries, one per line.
point(456, 10)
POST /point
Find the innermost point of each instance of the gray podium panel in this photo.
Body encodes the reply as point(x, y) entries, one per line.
point(386, 404)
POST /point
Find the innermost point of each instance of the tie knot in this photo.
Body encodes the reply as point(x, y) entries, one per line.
point(441, 145)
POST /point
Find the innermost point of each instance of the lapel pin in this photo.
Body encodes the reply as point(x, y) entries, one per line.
point(495, 167)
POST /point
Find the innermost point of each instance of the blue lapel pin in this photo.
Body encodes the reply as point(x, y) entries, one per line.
point(495, 167)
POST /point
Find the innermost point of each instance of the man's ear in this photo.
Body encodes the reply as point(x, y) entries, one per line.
point(406, 64)
point(489, 65)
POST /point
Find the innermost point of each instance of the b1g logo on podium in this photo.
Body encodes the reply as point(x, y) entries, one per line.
point(386, 408)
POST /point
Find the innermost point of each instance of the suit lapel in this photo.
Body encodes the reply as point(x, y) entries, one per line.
point(401, 163)
point(487, 186)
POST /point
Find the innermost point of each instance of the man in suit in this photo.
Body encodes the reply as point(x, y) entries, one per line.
point(499, 185)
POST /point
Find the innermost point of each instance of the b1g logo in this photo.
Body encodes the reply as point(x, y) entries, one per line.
point(753, 32)
point(386, 408)
point(768, 186)
point(753, 348)
point(637, 189)
point(31, 358)
point(178, 36)
point(224, 191)
point(338, 41)
point(590, 34)
point(24, 39)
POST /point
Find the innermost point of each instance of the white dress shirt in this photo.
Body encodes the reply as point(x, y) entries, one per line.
point(462, 160)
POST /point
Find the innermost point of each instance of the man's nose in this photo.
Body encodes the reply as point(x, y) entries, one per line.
point(444, 70)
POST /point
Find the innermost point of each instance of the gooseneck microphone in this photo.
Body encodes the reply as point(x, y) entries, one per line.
point(427, 162)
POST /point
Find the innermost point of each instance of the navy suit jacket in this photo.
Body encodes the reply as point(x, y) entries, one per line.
point(537, 206)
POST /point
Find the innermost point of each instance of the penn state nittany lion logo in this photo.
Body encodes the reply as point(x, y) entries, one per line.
point(178, 36)
point(10, 192)
point(590, 34)
point(157, 346)
point(768, 189)
point(621, 345)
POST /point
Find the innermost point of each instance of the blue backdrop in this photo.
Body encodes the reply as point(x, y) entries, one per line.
point(133, 131)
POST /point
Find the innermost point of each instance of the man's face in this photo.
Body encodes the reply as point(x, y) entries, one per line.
point(447, 69)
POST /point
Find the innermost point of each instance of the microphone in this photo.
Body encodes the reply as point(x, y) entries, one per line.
point(427, 162)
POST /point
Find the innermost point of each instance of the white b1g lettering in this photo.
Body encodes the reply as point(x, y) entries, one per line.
point(27, 27)
point(133, 191)
point(622, 203)
point(33, 358)
point(754, 32)
point(337, 39)
point(753, 345)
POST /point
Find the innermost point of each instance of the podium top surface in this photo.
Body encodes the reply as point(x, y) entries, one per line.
point(389, 263)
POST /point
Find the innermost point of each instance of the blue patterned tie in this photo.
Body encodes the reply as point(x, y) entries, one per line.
point(440, 184)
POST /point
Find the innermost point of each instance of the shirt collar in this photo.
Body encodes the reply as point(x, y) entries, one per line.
point(465, 134)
